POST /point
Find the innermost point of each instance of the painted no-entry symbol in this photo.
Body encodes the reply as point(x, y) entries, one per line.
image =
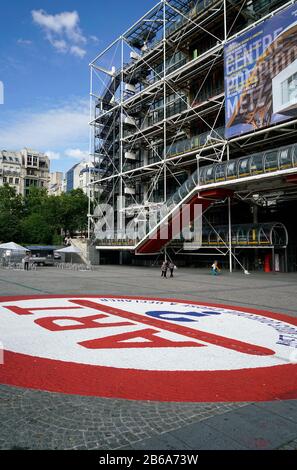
point(147, 349)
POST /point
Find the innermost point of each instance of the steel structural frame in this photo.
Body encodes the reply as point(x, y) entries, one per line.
point(213, 150)
point(161, 84)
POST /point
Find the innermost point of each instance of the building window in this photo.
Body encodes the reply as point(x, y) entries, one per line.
point(30, 182)
point(289, 90)
point(10, 180)
point(17, 181)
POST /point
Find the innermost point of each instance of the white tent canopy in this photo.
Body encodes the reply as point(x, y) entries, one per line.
point(72, 250)
point(69, 249)
point(13, 247)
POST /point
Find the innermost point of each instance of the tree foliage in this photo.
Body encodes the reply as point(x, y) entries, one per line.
point(11, 212)
point(40, 218)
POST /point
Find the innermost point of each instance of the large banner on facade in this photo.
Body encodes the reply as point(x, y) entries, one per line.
point(261, 75)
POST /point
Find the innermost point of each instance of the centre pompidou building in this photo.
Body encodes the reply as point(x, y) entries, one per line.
point(195, 104)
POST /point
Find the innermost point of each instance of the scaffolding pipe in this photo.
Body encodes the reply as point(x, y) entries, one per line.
point(90, 154)
point(229, 222)
point(164, 98)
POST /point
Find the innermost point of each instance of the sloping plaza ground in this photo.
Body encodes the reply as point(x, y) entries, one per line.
point(37, 419)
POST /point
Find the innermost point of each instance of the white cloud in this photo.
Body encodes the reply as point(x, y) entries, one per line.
point(77, 153)
point(58, 128)
point(74, 153)
point(25, 42)
point(62, 31)
point(78, 51)
point(60, 45)
point(53, 155)
point(95, 39)
point(62, 23)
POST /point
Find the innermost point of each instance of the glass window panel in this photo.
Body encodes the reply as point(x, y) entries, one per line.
point(271, 162)
point(220, 172)
point(202, 175)
point(295, 155)
point(289, 90)
point(209, 173)
point(285, 157)
point(231, 169)
point(257, 164)
point(243, 166)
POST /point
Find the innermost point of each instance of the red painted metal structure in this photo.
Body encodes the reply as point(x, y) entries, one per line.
point(291, 179)
point(160, 237)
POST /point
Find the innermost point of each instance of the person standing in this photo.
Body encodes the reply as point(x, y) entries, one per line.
point(164, 269)
point(260, 264)
point(26, 262)
point(67, 241)
point(171, 268)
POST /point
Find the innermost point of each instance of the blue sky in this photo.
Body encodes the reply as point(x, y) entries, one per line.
point(45, 49)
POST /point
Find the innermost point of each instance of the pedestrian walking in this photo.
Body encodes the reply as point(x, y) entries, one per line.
point(260, 264)
point(164, 268)
point(215, 268)
point(171, 268)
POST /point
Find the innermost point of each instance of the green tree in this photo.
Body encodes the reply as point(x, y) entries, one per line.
point(73, 211)
point(35, 227)
point(36, 200)
point(36, 230)
point(11, 213)
point(39, 218)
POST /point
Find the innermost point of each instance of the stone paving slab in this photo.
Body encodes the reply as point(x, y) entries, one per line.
point(255, 428)
point(204, 437)
point(163, 442)
point(292, 445)
point(32, 419)
point(40, 420)
point(242, 429)
point(262, 290)
point(286, 409)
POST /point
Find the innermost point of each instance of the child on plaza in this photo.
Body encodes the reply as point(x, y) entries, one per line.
point(215, 268)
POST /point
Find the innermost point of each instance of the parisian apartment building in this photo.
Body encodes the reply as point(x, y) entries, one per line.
point(81, 175)
point(57, 183)
point(23, 169)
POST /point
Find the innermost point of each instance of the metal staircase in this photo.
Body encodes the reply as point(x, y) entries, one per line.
point(171, 225)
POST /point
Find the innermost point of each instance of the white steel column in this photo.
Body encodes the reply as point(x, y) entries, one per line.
point(120, 206)
point(164, 97)
point(229, 223)
point(228, 157)
point(225, 21)
point(91, 145)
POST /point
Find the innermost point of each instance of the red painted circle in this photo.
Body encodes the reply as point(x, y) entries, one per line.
point(258, 384)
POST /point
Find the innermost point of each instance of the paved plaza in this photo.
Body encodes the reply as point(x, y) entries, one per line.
point(38, 419)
